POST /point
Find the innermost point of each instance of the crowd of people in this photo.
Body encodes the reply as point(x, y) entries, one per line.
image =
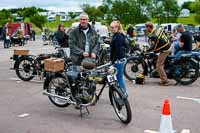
point(17, 37)
point(83, 44)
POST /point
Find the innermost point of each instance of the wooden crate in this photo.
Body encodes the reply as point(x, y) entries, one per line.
point(54, 64)
point(21, 52)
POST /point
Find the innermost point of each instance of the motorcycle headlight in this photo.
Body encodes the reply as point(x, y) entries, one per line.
point(112, 70)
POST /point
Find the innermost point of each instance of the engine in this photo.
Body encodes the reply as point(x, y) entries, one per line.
point(86, 91)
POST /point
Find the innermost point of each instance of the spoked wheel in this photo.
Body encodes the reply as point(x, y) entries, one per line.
point(132, 68)
point(188, 73)
point(121, 106)
point(25, 69)
point(58, 86)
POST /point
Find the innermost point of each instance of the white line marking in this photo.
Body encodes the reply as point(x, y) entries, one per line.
point(188, 98)
point(150, 131)
point(15, 79)
point(185, 131)
point(23, 115)
point(19, 81)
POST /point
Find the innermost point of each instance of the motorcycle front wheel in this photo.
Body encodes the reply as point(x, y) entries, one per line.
point(132, 68)
point(121, 105)
point(58, 86)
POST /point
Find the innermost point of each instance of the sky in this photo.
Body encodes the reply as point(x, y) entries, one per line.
point(56, 5)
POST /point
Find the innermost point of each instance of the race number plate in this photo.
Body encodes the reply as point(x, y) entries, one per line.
point(111, 78)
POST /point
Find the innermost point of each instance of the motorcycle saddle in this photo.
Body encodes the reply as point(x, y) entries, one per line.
point(186, 55)
point(44, 56)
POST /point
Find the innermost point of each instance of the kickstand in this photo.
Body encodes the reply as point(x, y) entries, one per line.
point(81, 111)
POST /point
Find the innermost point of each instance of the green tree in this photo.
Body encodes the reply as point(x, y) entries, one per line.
point(165, 11)
point(5, 16)
point(157, 11)
point(171, 9)
point(196, 7)
point(129, 11)
point(27, 12)
point(72, 15)
point(93, 12)
point(187, 5)
point(104, 10)
point(38, 20)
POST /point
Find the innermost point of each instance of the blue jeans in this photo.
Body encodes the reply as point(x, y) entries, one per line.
point(120, 74)
point(176, 48)
point(179, 53)
point(6, 43)
point(74, 72)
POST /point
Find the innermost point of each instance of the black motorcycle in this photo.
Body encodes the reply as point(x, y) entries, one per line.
point(79, 89)
point(29, 66)
point(103, 56)
point(47, 38)
point(184, 70)
point(16, 40)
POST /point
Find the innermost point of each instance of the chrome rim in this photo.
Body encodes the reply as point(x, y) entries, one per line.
point(119, 106)
point(58, 86)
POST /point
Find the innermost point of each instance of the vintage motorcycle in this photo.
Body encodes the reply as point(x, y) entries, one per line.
point(29, 66)
point(79, 89)
point(184, 70)
point(104, 54)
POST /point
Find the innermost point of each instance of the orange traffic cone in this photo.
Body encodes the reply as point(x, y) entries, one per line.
point(166, 120)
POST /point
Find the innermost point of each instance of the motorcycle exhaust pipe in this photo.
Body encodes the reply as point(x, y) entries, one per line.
point(70, 101)
point(61, 97)
point(94, 100)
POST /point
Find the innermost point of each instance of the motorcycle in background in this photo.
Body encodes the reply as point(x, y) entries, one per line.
point(184, 70)
point(29, 66)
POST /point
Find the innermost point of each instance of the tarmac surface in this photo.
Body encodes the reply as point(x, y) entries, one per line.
point(39, 115)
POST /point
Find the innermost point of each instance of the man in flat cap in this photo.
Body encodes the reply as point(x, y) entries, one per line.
point(159, 44)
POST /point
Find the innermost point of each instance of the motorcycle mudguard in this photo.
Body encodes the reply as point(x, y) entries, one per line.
point(134, 58)
point(49, 76)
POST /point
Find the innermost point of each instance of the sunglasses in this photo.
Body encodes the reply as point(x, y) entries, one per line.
point(83, 19)
point(149, 26)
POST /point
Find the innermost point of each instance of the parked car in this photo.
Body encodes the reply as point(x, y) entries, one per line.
point(140, 28)
point(51, 18)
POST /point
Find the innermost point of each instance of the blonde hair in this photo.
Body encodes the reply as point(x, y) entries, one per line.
point(120, 27)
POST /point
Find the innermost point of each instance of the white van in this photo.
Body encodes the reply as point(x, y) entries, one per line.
point(197, 29)
point(169, 26)
point(63, 18)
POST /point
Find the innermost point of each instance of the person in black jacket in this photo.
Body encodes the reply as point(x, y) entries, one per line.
point(118, 50)
point(61, 36)
point(159, 44)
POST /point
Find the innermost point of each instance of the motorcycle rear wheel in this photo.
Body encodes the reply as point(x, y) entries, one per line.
point(58, 86)
point(189, 73)
point(25, 69)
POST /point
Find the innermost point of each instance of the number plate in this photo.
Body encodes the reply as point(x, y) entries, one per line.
point(111, 78)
